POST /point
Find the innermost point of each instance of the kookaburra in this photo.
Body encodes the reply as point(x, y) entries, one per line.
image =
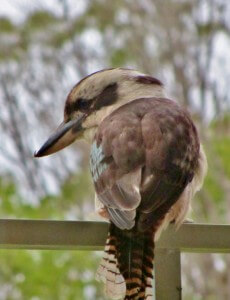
point(146, 163)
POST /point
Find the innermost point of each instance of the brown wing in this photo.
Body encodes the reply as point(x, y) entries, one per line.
point(117, 158)
point(149, 150)
point(171, 159)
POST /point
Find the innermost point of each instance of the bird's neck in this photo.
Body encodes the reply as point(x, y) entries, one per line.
point(127, 93)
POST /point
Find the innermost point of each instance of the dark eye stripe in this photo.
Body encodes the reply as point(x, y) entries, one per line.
point(82, 104)
point(107, 97)
point(79, 105)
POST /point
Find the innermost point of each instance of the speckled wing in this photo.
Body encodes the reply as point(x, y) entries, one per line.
point(116, 160)
point(143, 156)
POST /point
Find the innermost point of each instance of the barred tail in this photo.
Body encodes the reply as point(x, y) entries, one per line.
point(127, 265)
point(108, 271)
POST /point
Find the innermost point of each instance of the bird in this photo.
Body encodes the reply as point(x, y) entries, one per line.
point(146, 162)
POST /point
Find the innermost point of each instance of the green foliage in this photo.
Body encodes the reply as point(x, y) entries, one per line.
point(74, 192)
point(59, 39)
point(6, 25)
point(222, 147)
point(209, 28)
point(212, 186)
point(79, 25)
point(119, 57)
point(61, 275)
point(49, 274)
point(106, 12)
point(221, 124)
point(39, 20)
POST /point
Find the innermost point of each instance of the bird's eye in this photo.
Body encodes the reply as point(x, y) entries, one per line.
point(82, 104)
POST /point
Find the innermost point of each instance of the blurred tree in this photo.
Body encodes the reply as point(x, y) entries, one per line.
point(50, 274)
point(184, 43)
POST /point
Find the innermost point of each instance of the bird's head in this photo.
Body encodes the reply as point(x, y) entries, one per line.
point(94, 98)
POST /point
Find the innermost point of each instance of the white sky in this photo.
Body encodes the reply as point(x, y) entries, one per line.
point(17, 9)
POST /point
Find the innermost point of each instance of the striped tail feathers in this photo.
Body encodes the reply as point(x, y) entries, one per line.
point(130, 260)
point(108, 271)
point(146, 292)
point(127, 265)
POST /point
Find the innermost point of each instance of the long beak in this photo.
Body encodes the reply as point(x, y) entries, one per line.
point(65, 135)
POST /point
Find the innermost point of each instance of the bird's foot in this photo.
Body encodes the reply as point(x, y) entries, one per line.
point(188, 221)
point(102, 212)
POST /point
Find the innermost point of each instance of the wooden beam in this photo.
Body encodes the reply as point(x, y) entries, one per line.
point(197, 238)
point(83, 235)
point(167, 274)
point(49, 234)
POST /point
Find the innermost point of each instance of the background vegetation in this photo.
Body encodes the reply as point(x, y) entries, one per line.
point(45, 48)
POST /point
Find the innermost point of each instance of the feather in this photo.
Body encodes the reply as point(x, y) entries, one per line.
point(122, 219)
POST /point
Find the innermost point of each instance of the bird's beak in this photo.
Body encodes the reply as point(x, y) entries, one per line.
point(65, 135)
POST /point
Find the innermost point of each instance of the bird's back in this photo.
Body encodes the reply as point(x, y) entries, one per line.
point(153, 143)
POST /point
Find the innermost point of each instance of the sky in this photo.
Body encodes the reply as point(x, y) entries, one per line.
point(18, 9)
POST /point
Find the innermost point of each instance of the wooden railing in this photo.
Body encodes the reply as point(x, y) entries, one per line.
point(75, 235)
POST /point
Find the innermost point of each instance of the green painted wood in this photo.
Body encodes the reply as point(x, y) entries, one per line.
point(49, 234)
point(197, 238)
point(168, 274)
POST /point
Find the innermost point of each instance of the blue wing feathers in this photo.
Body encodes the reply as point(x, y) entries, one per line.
point(97, 166)
point(115, 197)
